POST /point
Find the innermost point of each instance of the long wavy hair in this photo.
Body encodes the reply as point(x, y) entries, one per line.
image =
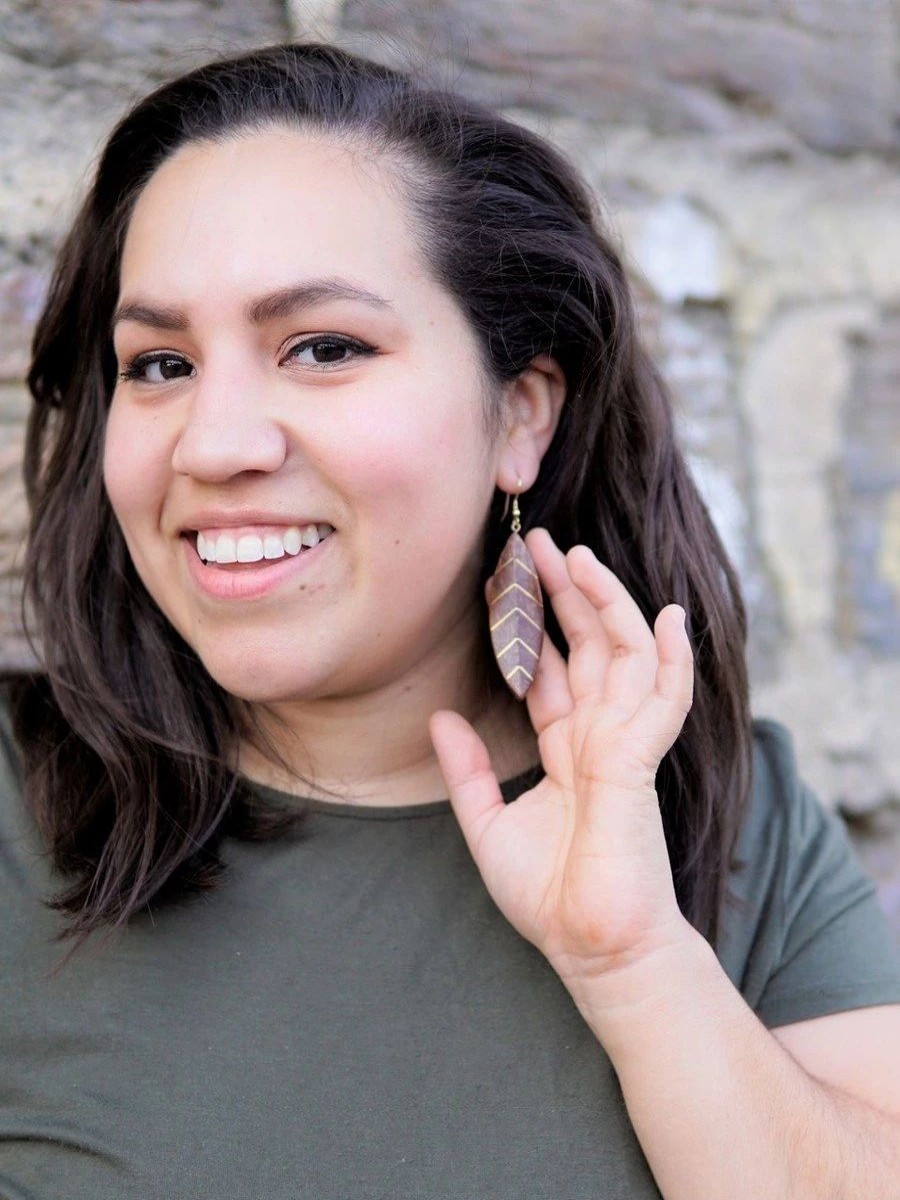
point(128, 743)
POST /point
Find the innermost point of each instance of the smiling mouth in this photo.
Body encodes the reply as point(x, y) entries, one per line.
point(250, 551)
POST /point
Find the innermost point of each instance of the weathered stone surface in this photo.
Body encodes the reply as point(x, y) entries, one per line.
point(154, 39)
point(681, 252)
point(887, 562)
point(22, 292)
point(69, 70)
point(868, 491)
point(792, 389)
point(314, 18)
point(824, 71)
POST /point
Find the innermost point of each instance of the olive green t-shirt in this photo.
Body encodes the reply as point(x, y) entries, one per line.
point(350, 1017)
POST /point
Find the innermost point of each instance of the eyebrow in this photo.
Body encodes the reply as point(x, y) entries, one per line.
point(270, 307)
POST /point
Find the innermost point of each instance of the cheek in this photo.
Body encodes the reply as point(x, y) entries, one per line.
point(423, 460)
point(133, 467)
point(420, 487)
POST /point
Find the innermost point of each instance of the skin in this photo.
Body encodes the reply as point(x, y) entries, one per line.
point(388, 448)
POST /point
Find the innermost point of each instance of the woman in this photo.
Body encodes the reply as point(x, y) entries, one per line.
point(465, 930)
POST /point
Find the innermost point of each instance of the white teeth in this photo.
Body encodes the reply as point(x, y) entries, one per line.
point(249, 548)
point(226, 550)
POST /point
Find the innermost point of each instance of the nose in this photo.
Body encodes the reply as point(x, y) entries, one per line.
point(227, 430)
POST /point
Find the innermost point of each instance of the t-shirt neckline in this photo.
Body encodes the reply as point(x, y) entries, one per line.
point(509, 788)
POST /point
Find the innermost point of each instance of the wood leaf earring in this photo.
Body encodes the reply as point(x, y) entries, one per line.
point(516, 610)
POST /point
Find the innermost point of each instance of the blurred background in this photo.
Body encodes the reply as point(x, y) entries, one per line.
point(747, 153)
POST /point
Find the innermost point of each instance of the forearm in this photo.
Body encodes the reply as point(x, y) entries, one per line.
point(721, 1110)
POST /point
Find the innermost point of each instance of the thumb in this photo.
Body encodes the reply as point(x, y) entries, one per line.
point(474, 792)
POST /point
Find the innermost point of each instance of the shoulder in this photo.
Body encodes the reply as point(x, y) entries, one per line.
point(771, 737)
point(786, 812)
point(804, 934)
point(789, 837)
point(775, 771)
point(782, 807)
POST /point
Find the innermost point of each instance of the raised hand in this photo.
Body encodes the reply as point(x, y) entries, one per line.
point(579, 864)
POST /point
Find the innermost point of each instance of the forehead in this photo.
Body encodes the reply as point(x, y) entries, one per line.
point(259, 206)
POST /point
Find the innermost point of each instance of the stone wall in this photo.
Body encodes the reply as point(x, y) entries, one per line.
point(747, 152)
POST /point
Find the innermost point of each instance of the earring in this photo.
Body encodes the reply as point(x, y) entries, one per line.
point(516, 610)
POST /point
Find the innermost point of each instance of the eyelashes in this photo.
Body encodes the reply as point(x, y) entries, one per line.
point(135, 367)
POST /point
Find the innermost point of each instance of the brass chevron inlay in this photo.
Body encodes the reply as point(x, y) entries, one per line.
point(524, 592)
point(508, 645)
point(523, 622)
point(515, 558)
point(521, 613)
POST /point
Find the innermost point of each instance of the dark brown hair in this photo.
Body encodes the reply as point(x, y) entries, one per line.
point(125, 736)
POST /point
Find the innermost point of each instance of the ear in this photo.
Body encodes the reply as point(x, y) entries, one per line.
point(534, 402)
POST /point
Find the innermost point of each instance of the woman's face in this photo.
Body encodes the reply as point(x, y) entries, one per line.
point(259, 419)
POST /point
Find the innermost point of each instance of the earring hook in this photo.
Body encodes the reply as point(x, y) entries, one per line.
point(516, 522)
point(517, 525)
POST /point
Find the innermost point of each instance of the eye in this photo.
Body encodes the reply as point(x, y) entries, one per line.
point(327, 350)
point(166, 362)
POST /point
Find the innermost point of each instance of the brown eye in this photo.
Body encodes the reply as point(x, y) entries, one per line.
point(167, 363)
point(326, 351)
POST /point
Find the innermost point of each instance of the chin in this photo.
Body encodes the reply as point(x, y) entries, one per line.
point(256, 680)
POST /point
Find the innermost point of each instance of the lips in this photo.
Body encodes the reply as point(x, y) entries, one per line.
point(251, 580)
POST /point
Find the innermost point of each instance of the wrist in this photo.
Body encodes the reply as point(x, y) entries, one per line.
point(619, 1000)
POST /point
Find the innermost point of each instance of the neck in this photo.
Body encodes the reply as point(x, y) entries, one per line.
point(373, 747)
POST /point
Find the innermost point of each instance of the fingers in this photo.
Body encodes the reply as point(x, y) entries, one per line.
point(466, 767)
point(588, 647)
point(614, 657)
point(631, 645)
point(661, 715)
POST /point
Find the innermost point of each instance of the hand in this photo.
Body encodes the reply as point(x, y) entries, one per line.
point(579, 864)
